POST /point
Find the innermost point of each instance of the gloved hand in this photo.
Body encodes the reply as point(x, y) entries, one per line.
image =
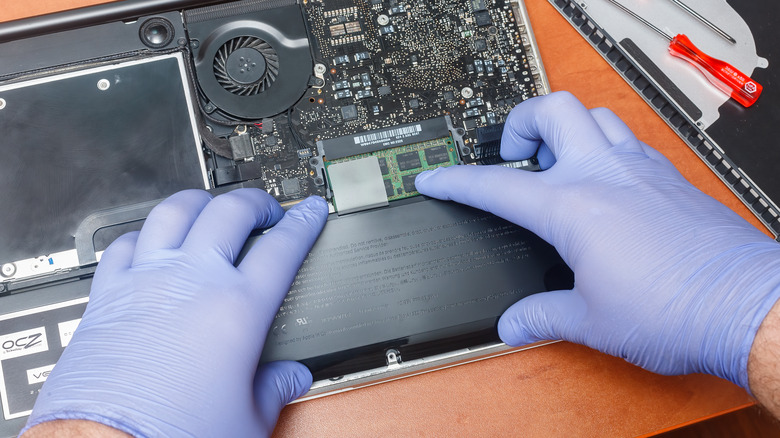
point(665, 276)
point(170, 342)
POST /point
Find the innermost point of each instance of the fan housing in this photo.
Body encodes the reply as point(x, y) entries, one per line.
point(254, 65)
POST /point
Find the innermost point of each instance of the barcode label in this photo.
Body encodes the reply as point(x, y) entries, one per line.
point(381, 136)
point(384, 138)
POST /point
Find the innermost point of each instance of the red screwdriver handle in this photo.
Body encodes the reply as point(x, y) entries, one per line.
point(722, 74)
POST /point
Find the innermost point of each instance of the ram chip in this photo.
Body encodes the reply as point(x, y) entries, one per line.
point(389, 189)
point(380, 139)
point(383, 166)
point(400, 165)
point(408, 161)
point(436, 155)
point(408, 183)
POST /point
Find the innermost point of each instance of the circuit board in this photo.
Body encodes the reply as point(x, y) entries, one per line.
point(380, 64)
point(399, 166)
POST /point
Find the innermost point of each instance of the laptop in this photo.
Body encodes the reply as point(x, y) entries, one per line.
point(106, 110)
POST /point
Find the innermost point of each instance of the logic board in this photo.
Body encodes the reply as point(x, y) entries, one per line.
point(380, 69)
point(270, 94)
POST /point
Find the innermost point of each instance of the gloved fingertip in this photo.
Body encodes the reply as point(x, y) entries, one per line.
point(315, 204)
point(548, 315)
point(312, 210)
point(118, 255)
point(302, 381)
point(424, 176)
point(287, 379)
point(513, 332)
point(296, 382)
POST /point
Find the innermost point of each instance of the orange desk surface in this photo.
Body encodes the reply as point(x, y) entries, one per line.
point(557, 390)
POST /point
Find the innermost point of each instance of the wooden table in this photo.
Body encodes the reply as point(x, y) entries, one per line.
point(557, 390)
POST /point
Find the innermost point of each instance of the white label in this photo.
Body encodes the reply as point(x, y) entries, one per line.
point(38, 375)
point(378, 137)
point(23, 343)
point(66, 331)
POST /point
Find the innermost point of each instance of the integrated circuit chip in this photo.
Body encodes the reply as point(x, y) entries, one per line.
point(408, 161)
point(436, 155)
point(389, 189)
point(291, 187)
point(482, 18)
point(408, 182)
point(349, 112)
point(478, 5)
point(383, 165)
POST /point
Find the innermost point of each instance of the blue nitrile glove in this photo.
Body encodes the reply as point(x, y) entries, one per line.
point(170, 342)
point(665, 276)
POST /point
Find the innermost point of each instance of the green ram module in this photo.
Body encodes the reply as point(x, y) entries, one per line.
point(400, 165)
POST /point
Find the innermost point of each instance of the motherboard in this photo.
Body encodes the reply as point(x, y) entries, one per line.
point(415, 84)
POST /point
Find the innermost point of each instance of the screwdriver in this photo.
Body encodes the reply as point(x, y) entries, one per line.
point(723, 75)
point(706, 22)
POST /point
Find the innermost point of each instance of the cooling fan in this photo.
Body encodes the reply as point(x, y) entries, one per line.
point(246, 66)
point(254, 64)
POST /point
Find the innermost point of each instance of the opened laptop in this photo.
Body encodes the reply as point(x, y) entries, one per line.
point(106, 110)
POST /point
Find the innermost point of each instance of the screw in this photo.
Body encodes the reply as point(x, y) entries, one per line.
point(2, 103)
point(8, 270)
point(103, 84)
